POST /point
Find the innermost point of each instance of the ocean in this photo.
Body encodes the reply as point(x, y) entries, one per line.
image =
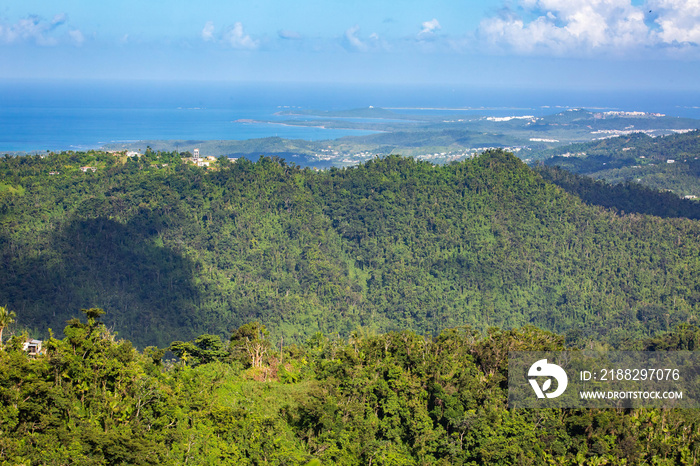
point(70, 115)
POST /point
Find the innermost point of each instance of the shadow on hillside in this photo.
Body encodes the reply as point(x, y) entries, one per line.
point(148, 290)
point(624, 197)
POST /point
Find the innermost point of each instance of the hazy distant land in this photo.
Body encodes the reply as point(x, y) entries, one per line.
point(435, 136)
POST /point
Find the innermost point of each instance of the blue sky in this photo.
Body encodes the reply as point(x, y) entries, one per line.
point(594, 44)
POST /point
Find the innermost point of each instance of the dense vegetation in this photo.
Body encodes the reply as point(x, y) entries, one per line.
point(380, 285)
point(637, 158)
point(389, 399)
point(172, 252)
point(629, 197)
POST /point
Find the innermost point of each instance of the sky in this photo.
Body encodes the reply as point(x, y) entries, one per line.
point(591, 44)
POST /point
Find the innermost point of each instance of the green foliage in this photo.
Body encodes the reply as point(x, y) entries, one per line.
point(250, 344)
point(203, 350)
point(631, 161)
point(6, 318)
point(392, 244)
point(361, 270)
point(394, 398)
point(627, 197)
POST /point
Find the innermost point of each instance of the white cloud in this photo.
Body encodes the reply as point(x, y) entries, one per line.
point(76, 36)
point(679, 20)
point(579, 26)
point(353, 41)
point(234, 36)
point(238, 39)
point(372, 43)
point(208, 31)
point(34, 29)
point(429, 28)
point(59, 19)
point(30, 29)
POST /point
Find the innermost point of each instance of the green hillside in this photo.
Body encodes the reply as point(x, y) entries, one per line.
point(383, 399)
point(663, 163)
point(629, 197)
point(173, 252)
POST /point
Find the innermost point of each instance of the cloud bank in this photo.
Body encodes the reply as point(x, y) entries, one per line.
point(560, 28)
point(679, 21)
point(543, 28)
point(585, 27)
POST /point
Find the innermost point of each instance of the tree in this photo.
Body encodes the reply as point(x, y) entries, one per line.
point(93, 314)
point(205, 349)
point(6, 318)
point(251, 339)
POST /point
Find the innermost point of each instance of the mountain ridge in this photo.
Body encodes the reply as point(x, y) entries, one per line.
point(177, 251)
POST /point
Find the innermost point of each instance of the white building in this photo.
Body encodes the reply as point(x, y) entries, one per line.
point(32, 347)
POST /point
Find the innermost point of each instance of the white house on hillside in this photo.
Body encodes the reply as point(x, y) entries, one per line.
point(32, 347)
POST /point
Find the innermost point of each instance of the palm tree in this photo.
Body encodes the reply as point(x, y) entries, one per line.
point(6, 318)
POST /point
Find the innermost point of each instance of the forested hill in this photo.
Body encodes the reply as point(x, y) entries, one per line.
point(669, 163)
point(175, 251)
point(627, 197)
